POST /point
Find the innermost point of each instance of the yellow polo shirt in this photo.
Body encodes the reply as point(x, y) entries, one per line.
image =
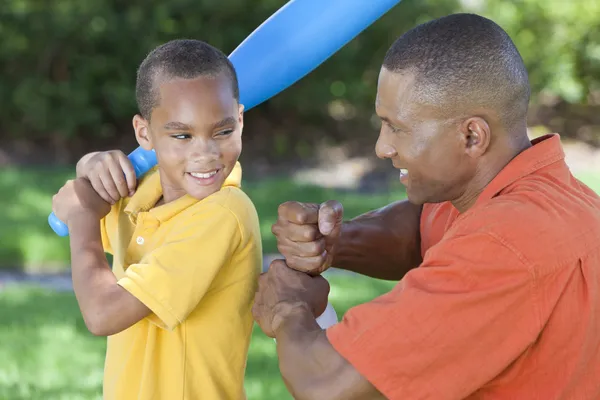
point(195, 264)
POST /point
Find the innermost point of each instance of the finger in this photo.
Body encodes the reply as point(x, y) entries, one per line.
point(331, 215)
point(278, 263)
point(301, 249)
point(322, 284)
point(310, 265)
point(129, 172)
point(118, 178)
point(99, 188)
point(108, 183)
point(297, 233)
point(299, 213)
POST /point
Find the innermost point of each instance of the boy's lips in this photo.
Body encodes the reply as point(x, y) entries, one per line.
point(206, 177)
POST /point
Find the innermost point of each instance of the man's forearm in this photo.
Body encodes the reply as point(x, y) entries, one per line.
point(383, 243)
point(310, 366)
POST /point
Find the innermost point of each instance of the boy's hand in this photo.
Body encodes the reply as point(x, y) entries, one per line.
point(307, 234)
point(77, 197)
point(110, 173)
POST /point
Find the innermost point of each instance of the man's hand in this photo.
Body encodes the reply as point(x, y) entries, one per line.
point(77, 197)
point(281, 290)
point(111, 174)
point(307, 234)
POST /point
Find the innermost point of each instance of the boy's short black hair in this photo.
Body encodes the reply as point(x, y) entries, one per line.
point(464, 59)
point(182, 58)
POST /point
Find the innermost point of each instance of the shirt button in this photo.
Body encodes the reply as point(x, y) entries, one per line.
point(140, 240)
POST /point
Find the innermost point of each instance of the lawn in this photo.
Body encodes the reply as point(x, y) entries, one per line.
point(26, 200)
point(48, 354)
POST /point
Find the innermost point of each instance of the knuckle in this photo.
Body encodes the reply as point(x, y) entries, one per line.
point(317, 248)
point(275, 229)
point(310, 233)
point(283, 207)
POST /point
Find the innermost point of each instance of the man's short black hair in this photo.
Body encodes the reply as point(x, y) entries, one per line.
point(464, 60)
point(182, 58)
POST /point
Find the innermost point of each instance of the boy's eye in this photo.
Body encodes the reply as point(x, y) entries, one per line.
point(181, 136)
point(225, 132)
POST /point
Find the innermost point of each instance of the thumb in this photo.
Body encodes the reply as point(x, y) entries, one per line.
point(331, 215)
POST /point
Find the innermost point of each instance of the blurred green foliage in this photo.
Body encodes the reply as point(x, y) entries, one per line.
point(69, 66)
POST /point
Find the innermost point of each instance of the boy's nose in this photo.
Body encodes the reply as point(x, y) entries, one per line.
point(205, 150)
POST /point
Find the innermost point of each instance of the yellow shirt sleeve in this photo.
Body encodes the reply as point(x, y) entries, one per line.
point(172, 279)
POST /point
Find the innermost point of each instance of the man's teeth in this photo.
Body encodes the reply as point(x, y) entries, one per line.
point(203, 175)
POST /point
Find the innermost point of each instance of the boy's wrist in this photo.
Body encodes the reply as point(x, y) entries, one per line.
point(83, 218)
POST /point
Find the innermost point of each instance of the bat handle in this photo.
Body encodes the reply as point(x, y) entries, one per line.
point(328, 318)
point(142, 161)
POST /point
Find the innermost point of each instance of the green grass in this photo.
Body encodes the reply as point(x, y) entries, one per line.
point(26, 200)
point(48, 354)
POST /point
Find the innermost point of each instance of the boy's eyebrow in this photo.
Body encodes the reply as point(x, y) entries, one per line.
point(177, 126)
point(180, 126)
point(224, 122)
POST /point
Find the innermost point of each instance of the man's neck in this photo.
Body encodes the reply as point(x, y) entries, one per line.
point(496, 163)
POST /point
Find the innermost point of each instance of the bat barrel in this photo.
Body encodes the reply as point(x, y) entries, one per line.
point(295, 40)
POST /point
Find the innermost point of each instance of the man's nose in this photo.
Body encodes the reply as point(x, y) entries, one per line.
point(383, 148)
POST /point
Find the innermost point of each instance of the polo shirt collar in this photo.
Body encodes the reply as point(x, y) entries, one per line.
point(150, 191)
point(544, 151)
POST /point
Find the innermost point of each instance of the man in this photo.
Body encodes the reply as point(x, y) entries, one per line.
point(497, 248)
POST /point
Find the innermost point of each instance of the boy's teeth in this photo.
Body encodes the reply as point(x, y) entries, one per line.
point(403, 171)
point(203, 176)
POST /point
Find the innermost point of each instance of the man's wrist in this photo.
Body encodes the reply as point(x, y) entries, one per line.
point(288, 316)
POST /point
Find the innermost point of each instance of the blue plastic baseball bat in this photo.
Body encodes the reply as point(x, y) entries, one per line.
point(295, 40)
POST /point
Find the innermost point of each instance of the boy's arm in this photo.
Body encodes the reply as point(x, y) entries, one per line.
point(107, 308)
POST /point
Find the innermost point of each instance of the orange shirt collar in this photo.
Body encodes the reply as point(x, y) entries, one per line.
point(544, 151)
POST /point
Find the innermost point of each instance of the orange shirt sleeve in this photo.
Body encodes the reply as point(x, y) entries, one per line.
point(443, 331)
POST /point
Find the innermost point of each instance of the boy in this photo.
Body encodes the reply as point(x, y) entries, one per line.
point(186, 241)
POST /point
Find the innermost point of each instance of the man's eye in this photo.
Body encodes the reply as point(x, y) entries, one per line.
point(393, 128)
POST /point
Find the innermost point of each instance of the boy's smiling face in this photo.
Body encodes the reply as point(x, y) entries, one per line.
point(196, 131)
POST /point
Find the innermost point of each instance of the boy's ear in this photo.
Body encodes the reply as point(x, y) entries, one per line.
point(142, 132)
point(241, 116)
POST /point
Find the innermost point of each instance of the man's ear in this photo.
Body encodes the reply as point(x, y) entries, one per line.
point(476, 135)
point(142, 132)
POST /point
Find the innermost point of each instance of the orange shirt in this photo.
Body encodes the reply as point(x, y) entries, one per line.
point(506, 304)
